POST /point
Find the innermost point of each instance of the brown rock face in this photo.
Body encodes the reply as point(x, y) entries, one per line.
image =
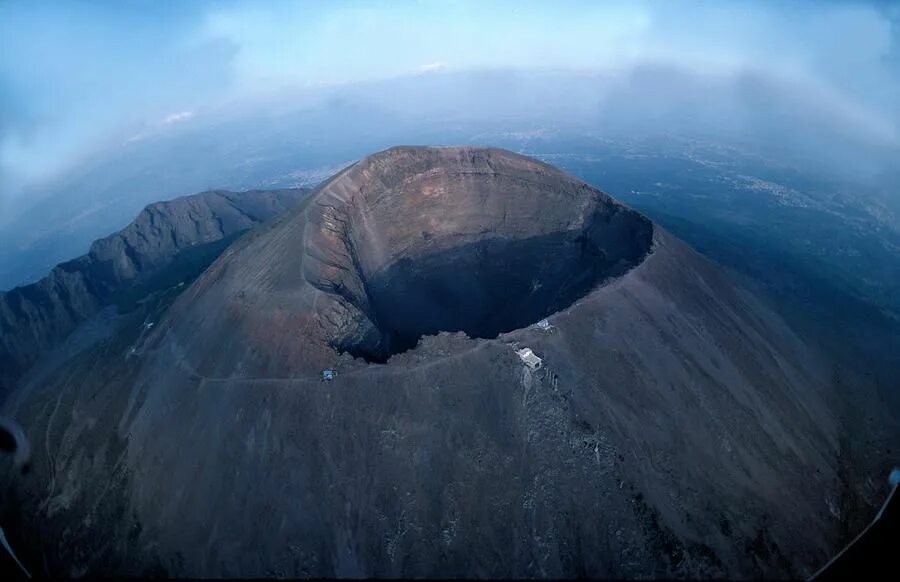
point(676, 427)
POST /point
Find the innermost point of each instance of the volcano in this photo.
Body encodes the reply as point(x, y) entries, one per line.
point(341, 393)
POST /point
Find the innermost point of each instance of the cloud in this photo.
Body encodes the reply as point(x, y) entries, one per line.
point(429, 67)
point(178, 117)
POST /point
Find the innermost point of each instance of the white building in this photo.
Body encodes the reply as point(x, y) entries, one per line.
point(527, 356)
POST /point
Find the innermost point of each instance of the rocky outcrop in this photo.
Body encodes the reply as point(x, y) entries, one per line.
point(35, 317)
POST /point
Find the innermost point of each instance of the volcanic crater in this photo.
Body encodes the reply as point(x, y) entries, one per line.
point(476, 240)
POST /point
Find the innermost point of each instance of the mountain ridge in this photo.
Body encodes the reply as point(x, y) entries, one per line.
point(37, 316)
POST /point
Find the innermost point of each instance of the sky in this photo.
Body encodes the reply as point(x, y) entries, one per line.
point(77, 76)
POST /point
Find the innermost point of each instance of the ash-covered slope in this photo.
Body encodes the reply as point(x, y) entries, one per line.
point(676, 428)
point(35, 317)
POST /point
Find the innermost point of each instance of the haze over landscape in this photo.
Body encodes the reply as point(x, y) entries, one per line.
point(78, 76)
point(204, 206)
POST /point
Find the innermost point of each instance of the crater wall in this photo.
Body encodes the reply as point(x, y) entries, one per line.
point(462, 239)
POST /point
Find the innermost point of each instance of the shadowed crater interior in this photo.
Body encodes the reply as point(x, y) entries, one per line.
point(488, 287)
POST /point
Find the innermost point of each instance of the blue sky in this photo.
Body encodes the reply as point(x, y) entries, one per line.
point(74, 75)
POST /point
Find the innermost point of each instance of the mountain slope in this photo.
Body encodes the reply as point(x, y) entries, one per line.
point(35, 317)
point(676, 428)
